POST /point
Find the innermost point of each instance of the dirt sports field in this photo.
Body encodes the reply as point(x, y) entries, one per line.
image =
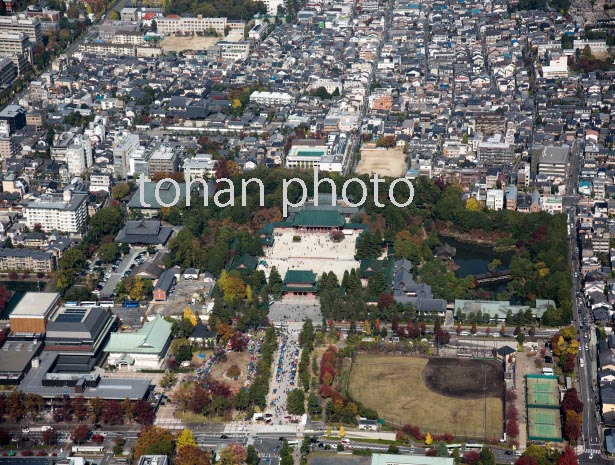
point(385, 162)
point(441, 395)
point(181, 44)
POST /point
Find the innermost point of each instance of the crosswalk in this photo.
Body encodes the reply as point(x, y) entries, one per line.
point(592, 451)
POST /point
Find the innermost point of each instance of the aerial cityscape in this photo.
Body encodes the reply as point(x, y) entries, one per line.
point(277, 232)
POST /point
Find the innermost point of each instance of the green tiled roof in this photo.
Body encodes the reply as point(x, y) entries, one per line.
point(315, 218)
point(166, 194)
point(300, 276)
point(370, 266)
point(151, 339)
point(300, 280)
point(245, 263)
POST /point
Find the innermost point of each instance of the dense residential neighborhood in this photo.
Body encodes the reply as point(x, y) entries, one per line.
point(307, 232)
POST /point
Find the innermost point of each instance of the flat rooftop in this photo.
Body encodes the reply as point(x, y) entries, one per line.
point(108, 388)
point(35, 304)
point(15, 355)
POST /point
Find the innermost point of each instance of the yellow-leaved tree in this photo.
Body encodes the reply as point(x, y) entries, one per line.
point(428, 439)
point(342, 432)
point(189, 315)
point(472, 204)
point(185, 438)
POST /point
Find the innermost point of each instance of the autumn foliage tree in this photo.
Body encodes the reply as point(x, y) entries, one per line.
point(327, 366)
point(192, 455)
point(80, 433)
point(143, 413)
point(233, 454)
point(568, 457)
point(526, 460)
point(153, 441)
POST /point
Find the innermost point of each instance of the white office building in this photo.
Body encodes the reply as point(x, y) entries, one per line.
point(495, 199)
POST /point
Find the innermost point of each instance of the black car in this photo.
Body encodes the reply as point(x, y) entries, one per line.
point(508, 452)
point(224, 436)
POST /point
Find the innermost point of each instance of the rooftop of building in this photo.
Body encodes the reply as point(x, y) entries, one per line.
point(36, 304)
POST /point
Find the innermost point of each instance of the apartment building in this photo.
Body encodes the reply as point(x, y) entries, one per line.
point(490, 123)
point(75, 150)
point(494, 151)
point(108, 49)
point(128, 38)
point(124, 146)
point(66, 212)
point(21, 23)
point(163, 160)
point(9, 147)
point(272, 98)
point(173, 24)
point(26, 260)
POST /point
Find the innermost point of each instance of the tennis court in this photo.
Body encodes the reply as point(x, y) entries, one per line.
point(544, 424)
point(542, 391)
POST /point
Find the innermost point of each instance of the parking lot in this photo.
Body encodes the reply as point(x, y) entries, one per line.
point(182, 295)
point(118, 270)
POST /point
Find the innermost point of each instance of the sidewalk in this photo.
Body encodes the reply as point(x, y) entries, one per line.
point(521, 367)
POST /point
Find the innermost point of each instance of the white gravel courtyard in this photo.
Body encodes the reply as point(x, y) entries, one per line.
point(316, 252)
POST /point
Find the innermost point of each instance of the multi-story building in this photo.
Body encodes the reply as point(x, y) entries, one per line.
point(15, 116)
point(9, 147)
point(14, 42)
point(305, 154)
point(173, 24)
point(75, 150)
point(26, 260)
point(108, 49)
point(490, 123)
point(495, 199)
point(78, 335)
point(553, 161)
point(128, 37)
point(124, 146)
point(163, 160)
point(201, 166)
point(553, 205)
point(271, 98)
point(228, 50)
point(494, 151)
point(596, 46)
point(8, 71)
point(100, 182)
point(272, 6)
point(21, 23)
point(66, 212)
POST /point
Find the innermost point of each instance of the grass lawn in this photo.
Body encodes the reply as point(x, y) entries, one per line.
point(241, 359)
point(394, 387)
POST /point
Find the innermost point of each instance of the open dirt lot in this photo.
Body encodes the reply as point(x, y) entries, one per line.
point(180, 44)
point(385, 162)
point(315, 251)
point(396, 388)
point(241, 359)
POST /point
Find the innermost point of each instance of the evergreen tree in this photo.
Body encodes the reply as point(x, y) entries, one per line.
point(275, 282)
point(376, 284)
